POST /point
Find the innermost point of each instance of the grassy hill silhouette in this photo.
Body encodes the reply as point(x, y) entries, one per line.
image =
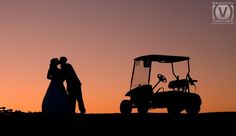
point(118, 123)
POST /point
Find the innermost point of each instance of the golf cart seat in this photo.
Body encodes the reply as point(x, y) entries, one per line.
point(179, 85)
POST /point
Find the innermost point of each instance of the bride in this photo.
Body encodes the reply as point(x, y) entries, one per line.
point(55, 99)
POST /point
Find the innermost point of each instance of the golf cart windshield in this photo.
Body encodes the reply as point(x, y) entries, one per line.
point(142, 67)
point(140, 73)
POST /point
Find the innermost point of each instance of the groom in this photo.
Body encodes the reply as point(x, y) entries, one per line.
point(73, 86)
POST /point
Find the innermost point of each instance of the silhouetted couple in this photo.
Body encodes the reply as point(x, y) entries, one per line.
point(58, 98)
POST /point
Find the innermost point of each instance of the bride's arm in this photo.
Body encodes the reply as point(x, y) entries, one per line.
point(49, 74)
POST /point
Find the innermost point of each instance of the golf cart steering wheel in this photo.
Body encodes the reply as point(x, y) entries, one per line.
point(161, 78)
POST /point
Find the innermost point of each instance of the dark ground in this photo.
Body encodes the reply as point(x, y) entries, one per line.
point(152, 123)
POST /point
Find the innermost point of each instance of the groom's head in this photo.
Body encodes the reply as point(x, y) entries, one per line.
point(63, 60)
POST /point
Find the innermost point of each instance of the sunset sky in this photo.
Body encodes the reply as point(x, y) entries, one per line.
point(101, 38)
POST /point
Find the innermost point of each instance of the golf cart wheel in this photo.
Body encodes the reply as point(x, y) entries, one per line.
point(174, 110)
point(125, 107)
point(193, 110)
point(142, 109)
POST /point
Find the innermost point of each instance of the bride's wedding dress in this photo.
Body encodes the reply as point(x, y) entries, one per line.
point(55, 99)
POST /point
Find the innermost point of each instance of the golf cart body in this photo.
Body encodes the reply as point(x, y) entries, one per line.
point(176, 98)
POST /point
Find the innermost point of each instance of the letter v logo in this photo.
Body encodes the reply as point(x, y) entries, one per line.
point(222, 14)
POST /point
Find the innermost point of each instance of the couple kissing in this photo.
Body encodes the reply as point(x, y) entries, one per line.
point(58, 98)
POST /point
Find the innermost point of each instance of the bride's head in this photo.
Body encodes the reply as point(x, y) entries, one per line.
point(54, 61)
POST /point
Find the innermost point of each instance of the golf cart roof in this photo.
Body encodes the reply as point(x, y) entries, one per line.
point(162, 58)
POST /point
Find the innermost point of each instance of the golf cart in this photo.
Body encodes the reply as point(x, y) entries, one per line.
point(144, 96)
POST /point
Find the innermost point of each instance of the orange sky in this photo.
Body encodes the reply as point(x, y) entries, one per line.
point(101, 38)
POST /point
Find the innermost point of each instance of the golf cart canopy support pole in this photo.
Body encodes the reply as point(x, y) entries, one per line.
point(173, 71)
point(149, 74)
point(132, 76)
point(188, 67)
